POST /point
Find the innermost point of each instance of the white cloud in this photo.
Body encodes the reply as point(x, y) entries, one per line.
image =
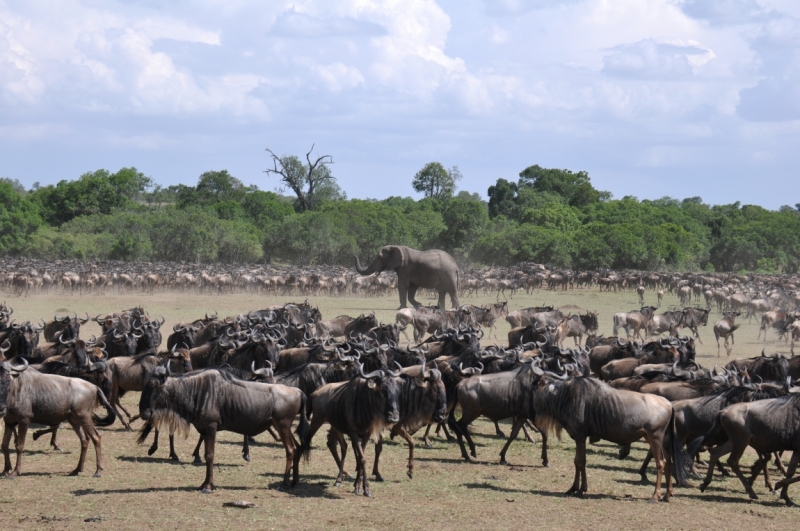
point(624, 88)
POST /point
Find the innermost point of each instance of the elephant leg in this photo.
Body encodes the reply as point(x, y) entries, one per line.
point(402, 288)
point(442, 296)
point(412, 291)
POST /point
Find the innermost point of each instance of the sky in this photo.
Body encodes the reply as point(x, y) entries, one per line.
point(650, 97)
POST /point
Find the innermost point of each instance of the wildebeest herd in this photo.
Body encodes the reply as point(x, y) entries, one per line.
point(288, 371)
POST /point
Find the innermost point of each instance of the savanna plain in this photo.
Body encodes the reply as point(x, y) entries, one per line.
point(140, 492)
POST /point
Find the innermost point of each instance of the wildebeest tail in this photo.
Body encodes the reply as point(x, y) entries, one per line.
point(144, 432)
point(716, 430)
point(303, 429)
point(681, 460)
point(108, 420)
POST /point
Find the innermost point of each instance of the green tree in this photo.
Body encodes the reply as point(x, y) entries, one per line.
point(19, 218)
point(465, 221)
point(575, 188)
point(435, 181)
point(312, 182)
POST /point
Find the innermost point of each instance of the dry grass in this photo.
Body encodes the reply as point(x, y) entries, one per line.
point(139, 492)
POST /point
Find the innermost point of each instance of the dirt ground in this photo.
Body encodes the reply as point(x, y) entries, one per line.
point(141, 492)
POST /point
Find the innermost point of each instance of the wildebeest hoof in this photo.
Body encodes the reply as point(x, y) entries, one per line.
point(410, 474)
point(501, 434)
point(97, 474)
point(428, 446)
point(9, 476)
point(74, 472)
point(703, 487)
point(644, 479)
point(206, 489)
point(368, 493)
point(175, 458)
point(197, 461)
point(337, 484)
point(152, 450)
point(753, 497)
point(503, 461)
point(379, 479)
point(546, 464)
point(58, 449)
point(653, 500)
point(246, 458)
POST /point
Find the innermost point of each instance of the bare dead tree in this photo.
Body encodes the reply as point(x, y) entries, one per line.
point(304, 180)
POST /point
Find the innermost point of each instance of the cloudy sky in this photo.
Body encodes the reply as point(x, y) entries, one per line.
point(651, 97)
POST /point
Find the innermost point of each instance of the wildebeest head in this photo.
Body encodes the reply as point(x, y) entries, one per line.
point(24, 338)
point(390, 391)
point(7, 372)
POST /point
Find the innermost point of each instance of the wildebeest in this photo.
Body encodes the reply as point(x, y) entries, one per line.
point(575, 326)
point(668, 322)
point(488, 314)
point(497, 396)
point(767, 368)
point(600, 355)
point(693, 318)
point(634, 321)
point(725, 328)
point(768, 426)
point(51, 399)
point(540, 316)
point(587, 407)
point(67, 327)
point(212, 401)
point(359, 408)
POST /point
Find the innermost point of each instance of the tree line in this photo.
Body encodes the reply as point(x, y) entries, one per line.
point(550, 216)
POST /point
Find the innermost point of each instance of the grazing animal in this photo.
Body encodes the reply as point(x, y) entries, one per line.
point(724, 328)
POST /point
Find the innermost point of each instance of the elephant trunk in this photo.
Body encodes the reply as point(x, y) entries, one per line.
point(374, 267)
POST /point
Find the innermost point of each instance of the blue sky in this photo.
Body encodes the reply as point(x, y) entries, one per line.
point(651, 97)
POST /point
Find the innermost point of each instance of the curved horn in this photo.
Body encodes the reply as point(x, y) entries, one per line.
point(374, 374)
point(397, 373)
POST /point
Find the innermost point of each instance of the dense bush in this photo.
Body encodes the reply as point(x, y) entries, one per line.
point(548, 215)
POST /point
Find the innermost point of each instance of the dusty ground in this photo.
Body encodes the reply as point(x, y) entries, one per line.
point(140, 492)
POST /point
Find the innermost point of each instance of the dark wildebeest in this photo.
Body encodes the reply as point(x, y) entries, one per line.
point(539, 316)
point(725, 328)
point(668, 322)
point(634, 321)
point(575, 326)
point(600, 355)
point(497, 396)
point(488, 314)
point(333, 327)
point(212, 401)
point(51, 399)
point(184, 335)
point(693, 318)
point(23, 339)
point(68, 327)
point(120, 343)
point(423, 401)
point(530, 334)
point(768, 368)
point(360, 325)
point(768, 426)
point(587, 407)
point(130, 373)
point(360, 408)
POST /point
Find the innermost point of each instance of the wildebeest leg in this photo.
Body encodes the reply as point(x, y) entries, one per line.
point(461, 429)
point(378, 450)
point(404, 434)
point(284, 428)
point(498, 431)
point(779, 463)
point(6, 441)
point(519, 422)
point(643, 469)
point(362, 481)
point(172, 454)
point(579, 483)
point(335, 437)
point(53, 431)
point(426, 438)
point(82, 435)
point(272, 432)
point(442, 427)
point(761, 464)
point(154, 446)
point(196, 453)
point(656, 442)
point(789, 479)
point(210, 438)
point(624, 451)
point(91, 432)
point(246, 449)
point(733, 462)
point(19, 446)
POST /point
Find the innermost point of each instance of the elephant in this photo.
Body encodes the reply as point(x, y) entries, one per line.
point(415, 269)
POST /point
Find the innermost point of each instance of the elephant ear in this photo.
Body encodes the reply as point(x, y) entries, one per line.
point(398, 257)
